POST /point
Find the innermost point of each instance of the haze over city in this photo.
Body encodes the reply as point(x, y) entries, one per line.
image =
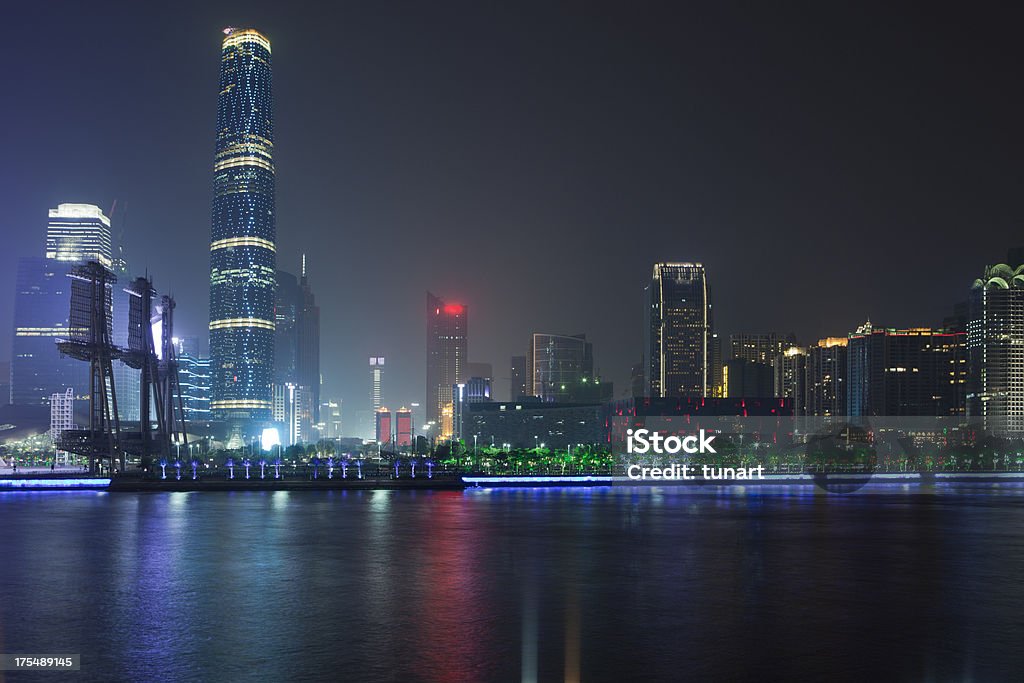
point(532, 162)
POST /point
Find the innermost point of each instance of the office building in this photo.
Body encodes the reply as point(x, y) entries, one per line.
point(243, 234)
point(330, 418)
point(297, 344)
point(42, 304)
point(911, 372)
point(995, 344)
point(77, 233)
point(383, 426)
point(376, 382)
point(289, 404)
point(759, 348)
point(791, 377)
point(447, 325)
point(403, 427)
point(557, 364)
point(678, 330)
point(194, 378)
point(826, 378)
point(307, 365)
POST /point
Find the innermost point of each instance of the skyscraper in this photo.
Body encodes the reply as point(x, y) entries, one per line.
point(446, 354)
point(242, 248)
point(297, 344)
point(376, 382)
point(77, 233)
point(760, 348)
point(287, 300)
point(678, 331)
point(791, 377)
point(403, 427)
point(42, 302)
point(826, 378)
point(914, 372)
point(307, 366)
point(558, 365)
point(383, 426)
point(995, 343)
point(194, 377)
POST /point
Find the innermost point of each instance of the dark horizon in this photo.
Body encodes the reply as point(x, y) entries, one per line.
point(532, 162)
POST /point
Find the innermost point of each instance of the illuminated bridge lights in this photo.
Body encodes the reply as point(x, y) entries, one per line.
point(233, 323)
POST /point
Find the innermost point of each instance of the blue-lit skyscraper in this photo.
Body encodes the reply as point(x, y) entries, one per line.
point(242, 248)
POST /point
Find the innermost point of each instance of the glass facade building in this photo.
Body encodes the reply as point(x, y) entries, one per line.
point(995, 347)
point(242, 248)
point(446, 358)
point(679, 331)
point(826, 378)
point(77, 233)
point(557, 364)
point(42, 304)
point(916, 372)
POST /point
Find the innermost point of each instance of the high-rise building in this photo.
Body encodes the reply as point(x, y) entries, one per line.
point(287, 410)
point(194, 378)
point(126, 378)
point(308, 361)
point(376, 382)
point(243, 234)
point(678, 331)
point(62, 413)
point(560, 369)
point(330, 417)
point(913, 372)
point(76, 233)
point(297, 343)
point(383, 429)
point(826, 378)
point(791, 377)
point(62, 418)
point(447, 325)
point(287, 300)
point(759, 348)
point(518, 378)
point(995, 343)
point(42, 304)
point(717, 388)
point(403, 427)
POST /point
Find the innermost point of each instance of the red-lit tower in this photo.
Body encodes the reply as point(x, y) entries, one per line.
point(446, 353)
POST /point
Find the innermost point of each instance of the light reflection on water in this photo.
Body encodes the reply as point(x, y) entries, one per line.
point(608, 583)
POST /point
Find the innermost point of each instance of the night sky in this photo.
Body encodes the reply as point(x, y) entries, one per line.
point(532, 160)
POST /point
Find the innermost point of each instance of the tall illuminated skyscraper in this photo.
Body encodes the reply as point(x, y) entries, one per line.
point(446, 354)
point(77, 233)
point(995, 341)
point(242, 248)
point(376, 382)
point(679, 331)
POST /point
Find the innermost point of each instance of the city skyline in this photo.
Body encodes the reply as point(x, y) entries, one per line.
point(602, 307)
